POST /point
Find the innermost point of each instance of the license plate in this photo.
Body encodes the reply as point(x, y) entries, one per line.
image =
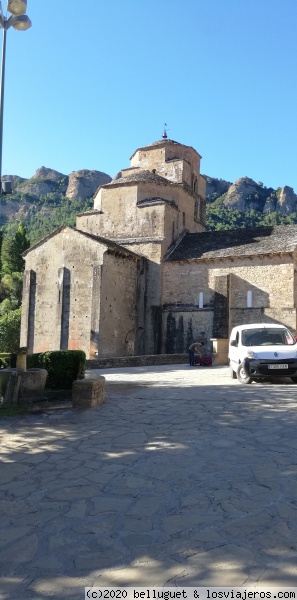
point(278, 366)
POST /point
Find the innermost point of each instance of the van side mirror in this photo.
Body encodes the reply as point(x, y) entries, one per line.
point(233, 343)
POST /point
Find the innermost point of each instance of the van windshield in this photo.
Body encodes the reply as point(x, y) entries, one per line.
point(267, 337)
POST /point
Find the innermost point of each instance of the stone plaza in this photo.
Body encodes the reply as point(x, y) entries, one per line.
point(182, 477)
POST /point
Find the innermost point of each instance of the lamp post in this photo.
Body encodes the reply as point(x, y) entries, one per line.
point(18, 20)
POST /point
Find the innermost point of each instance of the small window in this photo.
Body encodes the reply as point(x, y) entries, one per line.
point(200, 299)
point(250, 299)
point(197, 210)
point(184, 219)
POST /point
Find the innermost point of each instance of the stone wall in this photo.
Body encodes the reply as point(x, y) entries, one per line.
point(271, 279)
point(118, 317)
point(60, 257)
point(121, 218)
point(181, 326)
point(161, 155)
point(148, 298)
point(124, 212)
point(137, 361)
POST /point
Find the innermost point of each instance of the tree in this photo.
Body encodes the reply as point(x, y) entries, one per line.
point(12, 249)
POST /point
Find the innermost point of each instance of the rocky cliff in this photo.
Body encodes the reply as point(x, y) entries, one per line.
point(79, 184)
point(83, 184)
point(215, 188)
point(45, 190)
point(246, 195)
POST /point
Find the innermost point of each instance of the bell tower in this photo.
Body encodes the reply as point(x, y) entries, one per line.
point(154, 201)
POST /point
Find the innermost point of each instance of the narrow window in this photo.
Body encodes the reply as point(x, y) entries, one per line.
point(250, 299)
point(200, 299)
point(197, 210)
point(184, 219)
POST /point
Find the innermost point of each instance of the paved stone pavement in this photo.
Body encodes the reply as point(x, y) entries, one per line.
point(182, 477)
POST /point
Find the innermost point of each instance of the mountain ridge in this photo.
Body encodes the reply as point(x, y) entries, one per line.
point(50, 198)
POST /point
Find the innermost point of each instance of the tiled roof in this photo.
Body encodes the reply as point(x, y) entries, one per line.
point(237, 242)
point(148, 177)
point(143, 175)
point(155, 200)
point(111, 244)
point(161, 143)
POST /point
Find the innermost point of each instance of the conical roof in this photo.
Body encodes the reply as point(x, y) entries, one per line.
point(164, 142)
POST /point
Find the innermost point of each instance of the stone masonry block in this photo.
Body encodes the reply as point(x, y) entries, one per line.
point(87, 393)
point(220, 347)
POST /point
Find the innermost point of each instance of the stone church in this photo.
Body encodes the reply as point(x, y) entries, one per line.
point(140, 275)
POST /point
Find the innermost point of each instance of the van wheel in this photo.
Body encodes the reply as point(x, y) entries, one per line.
point(232, 373)
point(242, 376)
point(293, 379)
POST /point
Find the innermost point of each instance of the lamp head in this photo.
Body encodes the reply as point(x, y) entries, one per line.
point(17, 7)
point(21, 23)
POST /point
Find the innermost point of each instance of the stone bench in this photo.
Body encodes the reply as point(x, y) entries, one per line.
point(87, 393)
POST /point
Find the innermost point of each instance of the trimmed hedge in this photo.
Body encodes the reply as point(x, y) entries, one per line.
point(63, 367)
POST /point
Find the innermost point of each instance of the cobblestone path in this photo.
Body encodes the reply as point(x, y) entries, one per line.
point(182, 477)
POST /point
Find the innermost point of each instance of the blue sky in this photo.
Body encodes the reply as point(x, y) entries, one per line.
point(91, 81)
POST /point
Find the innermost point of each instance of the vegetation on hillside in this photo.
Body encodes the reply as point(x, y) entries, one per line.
point(11, 275)
point(219, 217)
point(47, 214)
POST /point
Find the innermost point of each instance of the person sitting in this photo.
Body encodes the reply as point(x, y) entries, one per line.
point(203, 356)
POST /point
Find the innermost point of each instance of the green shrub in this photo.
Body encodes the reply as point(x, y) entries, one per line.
point(10, 325)
point(63, 367)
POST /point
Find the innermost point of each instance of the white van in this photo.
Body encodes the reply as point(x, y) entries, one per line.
point(262, 351)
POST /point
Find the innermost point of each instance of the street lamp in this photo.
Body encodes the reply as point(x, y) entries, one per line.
point(18, 20)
